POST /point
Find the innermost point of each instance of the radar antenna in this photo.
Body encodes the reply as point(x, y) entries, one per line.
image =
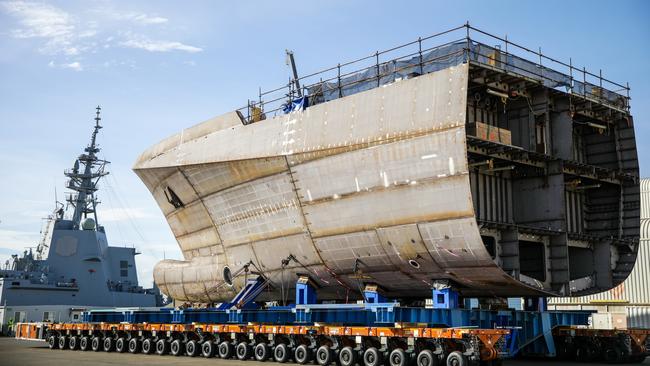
point(84, 181)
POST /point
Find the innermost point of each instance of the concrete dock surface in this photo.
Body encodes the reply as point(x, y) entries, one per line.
point(29, 353)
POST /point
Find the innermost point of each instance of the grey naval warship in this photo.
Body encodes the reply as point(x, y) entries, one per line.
point(73, 268)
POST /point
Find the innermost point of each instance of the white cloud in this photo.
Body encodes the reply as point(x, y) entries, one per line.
point(90, 30)
point(146, 20)
point(159, 46)
point(76, 65)
point(44, 21)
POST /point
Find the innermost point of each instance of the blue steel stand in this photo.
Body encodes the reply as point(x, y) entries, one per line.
point(372, 296)
point(305, 291)
point(445, 299)
point(444, 296)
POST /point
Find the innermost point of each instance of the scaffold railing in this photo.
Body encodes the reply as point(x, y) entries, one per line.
point(462, 44)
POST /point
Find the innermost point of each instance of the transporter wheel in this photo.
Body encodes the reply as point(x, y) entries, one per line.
point(191, 348)
point(262, 352)
point(63, 342)
point(457, 359)
point(347, 356)
point(615, 354)
point(207, 349)
point(324, 355)
point(637, 358)
point(84, 343)
point(243, 351)
point(586, 353)
point(53, 342)
point(121, 345)
point(371, 357)
point(397, 357)
point(426, 358)
point(134, 345)
point(73, 343)
point(162, 347)
point(147, 346)
point(109, 344)
point(96, 344)
point(281, 353)
point(176, 347)
point(225, 350)
point(302, 354)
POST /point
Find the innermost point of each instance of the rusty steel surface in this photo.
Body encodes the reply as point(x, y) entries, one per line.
point(380, 176)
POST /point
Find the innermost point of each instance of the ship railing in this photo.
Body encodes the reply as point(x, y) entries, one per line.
point(462, 44)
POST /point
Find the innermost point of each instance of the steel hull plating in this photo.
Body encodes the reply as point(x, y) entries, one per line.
point(380, 176)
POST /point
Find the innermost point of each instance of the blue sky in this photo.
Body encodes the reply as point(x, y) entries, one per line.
point(159, 66)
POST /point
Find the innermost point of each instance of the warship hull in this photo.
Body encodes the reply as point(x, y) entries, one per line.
point(372, 187)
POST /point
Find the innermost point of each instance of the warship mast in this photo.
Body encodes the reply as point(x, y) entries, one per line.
point(84, 176)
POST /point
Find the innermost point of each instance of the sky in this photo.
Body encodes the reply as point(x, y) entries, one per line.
point(156, 67)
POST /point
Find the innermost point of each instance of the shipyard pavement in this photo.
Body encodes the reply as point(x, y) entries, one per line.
point(27, 353)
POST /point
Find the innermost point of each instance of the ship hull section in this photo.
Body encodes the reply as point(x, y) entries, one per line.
point(372, 187)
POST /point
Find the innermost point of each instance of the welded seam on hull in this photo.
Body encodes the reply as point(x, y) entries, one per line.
point(302, 212)
point(381, 188)
point(215, 229)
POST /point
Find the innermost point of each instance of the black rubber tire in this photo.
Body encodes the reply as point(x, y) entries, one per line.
point(73, 343)
point(207, 349)
point(610, 355)
point(162, 347)
point(426, 358)
point(53, 342)
point(121, 345)
point(637, 358)
point(585, 353)
point(372, 357)
point(456, 358)
point(243, 351)
point(109, 344)
point(225, 350)
point(397, 357)
point(281, 353)
point(148, 346)
point(96, 344)
point(302, 354)
point(324, 355)
point(134, 345)
point(63, 342)
point(176, 347)
point(84, 343)
point(191, 348)
point(262, 352)
point(347, 356)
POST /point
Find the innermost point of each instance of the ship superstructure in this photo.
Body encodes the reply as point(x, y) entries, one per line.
point(463, 163)
point(73, 267)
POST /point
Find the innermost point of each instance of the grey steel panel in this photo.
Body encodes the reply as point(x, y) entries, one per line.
point(257, 210)
point(438, 199)
point(189, 219)
point(341, 251)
